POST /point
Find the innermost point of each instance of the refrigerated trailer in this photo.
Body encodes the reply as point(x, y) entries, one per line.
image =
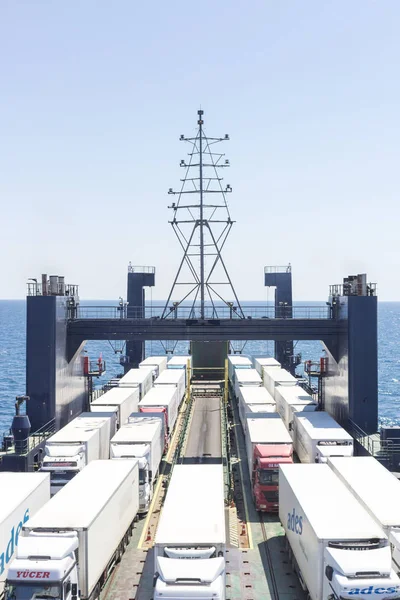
point(250, 398)
point(179, 362)
point(246, 378)
point(190, 542)
point(163, 398)
point(140, 378)
point(141, 438)
point(126, 401)
point(22, 495)
point(339, 551)
point(237, 362)
point(261, 362)
point(290, 399)
point(70, 546)
point(84, 439)
point(157, 364)
point(316, 436)
point(377, 490)
point(273, 376)
point(175, 378)
point(268, 445)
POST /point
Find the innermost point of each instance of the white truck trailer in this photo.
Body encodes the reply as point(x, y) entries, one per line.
point(142, 438)
point(316, 436)
point(190, 541)
point(84, 439)
point(173, 377)
point(254, 399)
point(338, 549)
point(179, 362)
point(157, 363)
point(290, 399)
point(236, 362)
point(377, 490)
point(246, 378)
point(126, 401)
point(273, 376)
point(165, 399)
point(139, 378)
point(70, 546)
point(261, 362)
point(23, 494)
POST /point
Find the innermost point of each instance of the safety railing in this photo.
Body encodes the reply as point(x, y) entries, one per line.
point(178, 454)
point(381, 449)
point(135, 269)
point(35, 288)
point(284, 269)
point(210, 312)
point(226, 451)
point(10, 445)
point(352, 289)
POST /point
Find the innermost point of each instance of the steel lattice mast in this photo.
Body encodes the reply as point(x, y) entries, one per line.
point(202, 229)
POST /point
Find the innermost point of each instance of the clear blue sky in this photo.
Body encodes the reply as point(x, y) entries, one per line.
point(95, 94)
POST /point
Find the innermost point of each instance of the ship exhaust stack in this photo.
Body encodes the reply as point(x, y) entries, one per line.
point(44, 284)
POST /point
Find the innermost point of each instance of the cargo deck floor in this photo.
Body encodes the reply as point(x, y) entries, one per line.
point(261, 571)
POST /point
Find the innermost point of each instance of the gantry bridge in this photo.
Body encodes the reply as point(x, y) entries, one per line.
point(254, 323)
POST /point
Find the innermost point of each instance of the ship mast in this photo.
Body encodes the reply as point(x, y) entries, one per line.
point(200, 124)
point(202, 228)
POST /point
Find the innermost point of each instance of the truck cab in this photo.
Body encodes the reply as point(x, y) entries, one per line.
point(161, 411)
point(142, 453)
point(63, 463)
point(331, 449)
point(351, 569)
point(265, 475)
point(190, 542)
point(44, 568)
point(395, 547)
point(177, 579)
point(142, 438)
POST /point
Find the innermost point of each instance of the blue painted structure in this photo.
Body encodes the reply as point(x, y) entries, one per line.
point(281, 279)
point(56, 386)
point(351, 384)
point(55, 383)
point(138, 279)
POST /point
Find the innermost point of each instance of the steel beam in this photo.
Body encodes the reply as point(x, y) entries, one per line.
point(142, 330)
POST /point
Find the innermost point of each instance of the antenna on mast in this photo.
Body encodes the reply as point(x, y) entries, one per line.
point(202, 228)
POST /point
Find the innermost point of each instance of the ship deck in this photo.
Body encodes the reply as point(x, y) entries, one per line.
point(256, 559)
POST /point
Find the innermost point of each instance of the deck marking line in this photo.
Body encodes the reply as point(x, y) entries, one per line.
point(248, 526)
point(157, 488)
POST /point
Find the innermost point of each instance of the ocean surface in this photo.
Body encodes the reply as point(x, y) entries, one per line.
point(12, 356)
